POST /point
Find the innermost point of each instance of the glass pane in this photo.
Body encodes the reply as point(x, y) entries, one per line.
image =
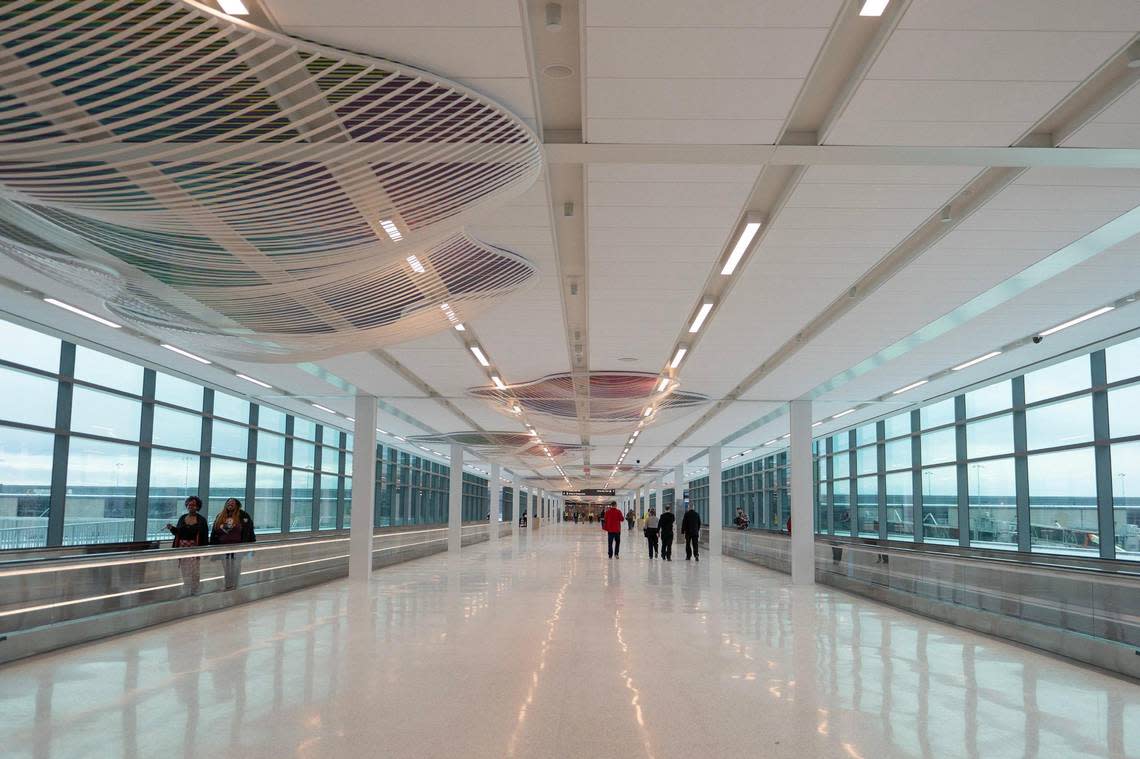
point(25, 486)
point(990, 437)
point(177, 391)
point(939, 447)
point(866, 434)
point(227, 480)
point(1122, 361)
point(303, 454)
point(940, 504)
point(267, 495)
point(229, 440)
point(841, 465)
point(1125, 503)
point(21, 345)
point(348, 502)
point(108, 371)
point(100, 502)
point(348, 442)
point(1123, 411)
point(820, 508)
point(867, 506)
point(330, 436)
point(270, 419)
point(328, 489)
point(899, 424)
point(1062, 423)
point(230, 407)
point(177, 429)
point(993, 504)
point(304, 428)
point(867, 460)
point(987, 400)
point(840, 442)
point(937, 414)
point(330, 460)
point(900, 506)
point(27, 398)
point(301, 502)
point(898, 453)
point(270, 448)
point(841, 500)
point(1065, 377)
point(98, 413)
point(173, 476)
point(1062, 502)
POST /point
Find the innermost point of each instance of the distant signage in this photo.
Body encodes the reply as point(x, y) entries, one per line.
point(590, 491)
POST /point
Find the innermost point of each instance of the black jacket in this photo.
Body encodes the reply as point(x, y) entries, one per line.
point(196, 532)
point(247, 535)
point(665, 523)
point(691, 523)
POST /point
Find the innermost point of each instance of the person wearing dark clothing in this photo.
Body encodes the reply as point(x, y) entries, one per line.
point(691, 529)
point(651, 527)
point(232, 526)
point(190, 532)
point(665, 529)
point(630, 517)
point(612, 521)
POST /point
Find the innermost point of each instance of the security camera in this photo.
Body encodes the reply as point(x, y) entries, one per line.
point(1037, 339)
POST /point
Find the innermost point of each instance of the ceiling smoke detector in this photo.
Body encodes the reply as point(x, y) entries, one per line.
point(558, 71)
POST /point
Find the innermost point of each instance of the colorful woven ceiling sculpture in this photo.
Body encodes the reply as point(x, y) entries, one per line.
point(245, 193)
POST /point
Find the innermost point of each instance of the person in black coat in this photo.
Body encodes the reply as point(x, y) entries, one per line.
point(190, 532)
point(232, 525)
point(691, 529)
point(665, 525)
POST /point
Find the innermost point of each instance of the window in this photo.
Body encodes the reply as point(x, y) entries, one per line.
point(1124, 410)
point(866, 434)
point(898, 425)
point(867, 512)
point(840, 442)
point(268, 497)
point(1061, 423)
point(27, 347)
point(993, 504)
point(101, 484)
point(1122, 361)
point(328, 502)
point(1059, 379)
point(898, 453)
point(939, 447)
point(986, 400)
point(990, 437)
point(270, 419)
point(227, 480)
point(841, 506)
point(940, 504)
point(177, 392)
point(867, 459)
point(1126, 499)
point(304, 454)
point(841, 465)
point(270, 448)
point(1062, 502)
point(173, 476)
point(108, 371)
point(301, 502)
point(229, 407)
point(25, 486)
point(177, 429)
point(330, 460)
point(229, 440)
point(304, 428)
point(937, 414)
point(900, 506)
point(105, 415)
point(27, 398)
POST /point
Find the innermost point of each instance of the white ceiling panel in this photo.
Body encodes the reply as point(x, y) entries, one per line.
point(733, 13)
point(395, 13)
point(1023, 15)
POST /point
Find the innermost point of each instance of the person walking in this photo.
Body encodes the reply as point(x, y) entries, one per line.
point(611, 523)
point(232, 526)
point(691, 529)
point(190, 532)
point(651, 523)
point(665, 529)
point(630, 517)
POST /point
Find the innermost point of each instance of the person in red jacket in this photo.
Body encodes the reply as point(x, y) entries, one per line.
point(612, 522)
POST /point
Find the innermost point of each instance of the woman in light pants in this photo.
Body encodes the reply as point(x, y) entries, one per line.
point(231, 526)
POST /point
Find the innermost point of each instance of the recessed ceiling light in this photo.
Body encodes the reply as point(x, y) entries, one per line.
point(1078, 320)
point(664, 383)
point(817, 424)
point(636, 433)
point(414, 262)
point(843, 413)
point(382, 432)
point(460, 328)
point(975, 361)
point(648, 411)
point(742, 244)
point(392, 230)
point(479, 355)
point(911, 386)
point(701, 316)
point(873, 7)
point(247, 378)
point(81, 312)
point(350, 418)
point(678, 357)
point(187, 354)
point(322, 408)
point(498, 382)
point(233, 7)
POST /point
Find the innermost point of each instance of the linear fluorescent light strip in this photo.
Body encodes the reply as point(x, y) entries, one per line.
point(187, 354)
point(233, 7)
point(247, 378)
point(475, 349)
point(742, 244)
point(81, 312)
point(678, 357)
point(648, 411)
point(498, 382)
point(975, 361)
point(873, 7)
point(414, 262)
point(911, 386)
point(1078, 320)
point(322, 408)
point(392, 230)
point(844, 413)
point(701, 316)
point(460, 328)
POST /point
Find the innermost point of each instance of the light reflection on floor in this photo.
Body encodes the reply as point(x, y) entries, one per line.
point(538, 646)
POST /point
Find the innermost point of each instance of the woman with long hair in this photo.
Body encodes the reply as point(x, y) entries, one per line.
point(232, 525)
point(190, 532)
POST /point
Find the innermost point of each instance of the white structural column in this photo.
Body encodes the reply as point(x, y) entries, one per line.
point(520, 504)
point(496, 502)
point(533, 496)
point(799, 469)
point(363, 490)
point(716, 515)
point(454, 500)
point(678, 498)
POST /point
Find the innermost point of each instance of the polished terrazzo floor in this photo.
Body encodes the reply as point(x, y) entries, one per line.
point(538, 646)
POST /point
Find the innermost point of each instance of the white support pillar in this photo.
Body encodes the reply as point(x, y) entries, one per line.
point(455, 500)
point(363, 490)
point(799, 470)
point(496, 503)
point(518, 509)
point(716, 508)
point(678, 498)
point(532, 497)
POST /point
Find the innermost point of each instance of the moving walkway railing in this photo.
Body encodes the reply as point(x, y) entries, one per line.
point(35, 593)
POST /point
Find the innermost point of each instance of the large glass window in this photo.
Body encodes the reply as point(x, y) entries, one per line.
point(1122, 361)
point(1126, 499)
point(940, 504)
point(1058, 379)
point(101, 484)
point(1124, 410)
point(301, 502)
point(899, 424)
point(270, 448)
point(1063, 423)
point(304, 454)
point(27, 398)
point(268, 497)
point(177, 392)
point(177, 429)
point(1062, 502)
point(108, 371)
point(939, 447)
point(25, 486)
point(105, 414)
point(986, 400)
point(867, 492)
point(937, 414)
point(21, 345)
point(270, 419)
point(990, 437)
point(328, 501)
point(841, 465)
point(229, 407)
point(867, 460)
point(227, 480)
point(229, 440)
point(841, 499)
point(173, 476)
point(993, 504)
point(900, 506)
point(898, 453)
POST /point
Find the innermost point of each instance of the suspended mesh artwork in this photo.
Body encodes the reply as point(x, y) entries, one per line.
point(611, 400)
point(246, 193)
point(519, 446)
